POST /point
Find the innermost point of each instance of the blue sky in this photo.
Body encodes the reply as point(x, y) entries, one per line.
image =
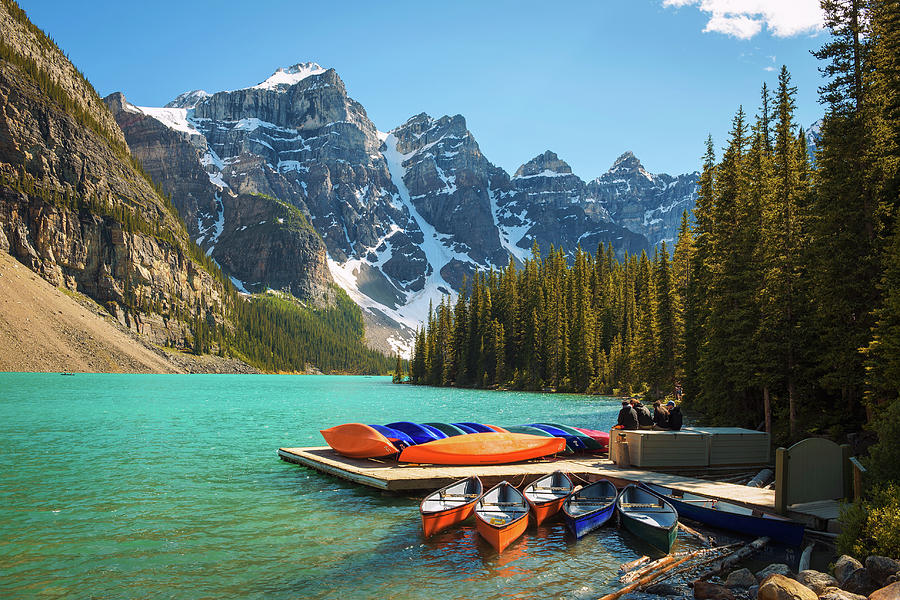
point(587, 80)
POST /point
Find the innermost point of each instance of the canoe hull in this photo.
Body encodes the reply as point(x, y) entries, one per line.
point(782, 531)
point(547, 494)
point(581, 523)
point(459, 498)
point(501, 515)
point(482, 449)
point(501, 537)
point(657, 525)
point(356, 440)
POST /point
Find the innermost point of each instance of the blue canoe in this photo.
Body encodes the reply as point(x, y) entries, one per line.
point(573, 442)
point(590, 507)
point(465, 428)
point(418, 433)
point(446, 428)
point(394, 434)
point(434, 430)
point(730, 516)
point(478, 427)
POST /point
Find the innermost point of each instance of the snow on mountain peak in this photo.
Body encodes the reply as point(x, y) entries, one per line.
point(629, 163)
point(289, 76)
point(188, 99)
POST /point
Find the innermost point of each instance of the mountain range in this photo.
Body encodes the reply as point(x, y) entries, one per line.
point(289, 185)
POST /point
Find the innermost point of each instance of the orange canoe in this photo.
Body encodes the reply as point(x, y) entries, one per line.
point(483, 449)
point(358, 441)
point(449, 505)
point(547, 494)
point(501, 515)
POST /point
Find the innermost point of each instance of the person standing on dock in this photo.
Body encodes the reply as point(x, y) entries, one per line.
point(628, 418)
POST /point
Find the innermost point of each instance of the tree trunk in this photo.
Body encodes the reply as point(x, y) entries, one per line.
point(792, 407)
point(767, 408)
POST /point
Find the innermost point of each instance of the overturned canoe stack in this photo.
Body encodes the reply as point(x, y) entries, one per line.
point(449, 505)
point(483, 449)
point(358, 441)
point(501, 515)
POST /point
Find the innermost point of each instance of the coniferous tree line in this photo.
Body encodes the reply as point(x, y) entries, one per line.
point(780, 306)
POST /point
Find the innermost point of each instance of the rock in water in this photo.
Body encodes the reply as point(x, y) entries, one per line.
point(881, 568)
point(844, 566)
point(816, 580)
point(779, 568)
point(891, 592)
point(741, 578)
point(779, 587)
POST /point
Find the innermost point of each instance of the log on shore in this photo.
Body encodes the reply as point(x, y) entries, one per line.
point(733, 558)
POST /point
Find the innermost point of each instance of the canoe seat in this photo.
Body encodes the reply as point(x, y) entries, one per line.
point(638, 505)
point(593, 501)
point(553, 489)
point(465, 496)
point(500, 510)
point(501, 504)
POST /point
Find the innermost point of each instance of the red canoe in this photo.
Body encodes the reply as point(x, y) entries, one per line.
point(449, 505)
point(483, 449)
point(600, 436)
point(358, 441)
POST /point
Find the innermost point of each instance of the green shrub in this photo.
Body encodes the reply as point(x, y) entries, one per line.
point(872, 525)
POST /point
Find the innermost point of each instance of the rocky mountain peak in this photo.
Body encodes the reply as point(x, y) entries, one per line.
point(627, 162)
point(188, 99)
point(547, 163)
point(285, 77)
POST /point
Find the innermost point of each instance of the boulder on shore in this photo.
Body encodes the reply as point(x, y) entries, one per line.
point(816, 580)
point(890, 592)
point(742, 578)
point(881, 568)
point(704, 590)
point(779, 568)
point(779, 587)
point(859, 582)
point(834, 593)
point(844, 566)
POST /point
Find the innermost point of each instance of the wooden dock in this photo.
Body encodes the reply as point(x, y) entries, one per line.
point(402, 477)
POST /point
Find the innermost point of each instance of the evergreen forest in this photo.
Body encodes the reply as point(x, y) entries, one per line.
point(779, 305)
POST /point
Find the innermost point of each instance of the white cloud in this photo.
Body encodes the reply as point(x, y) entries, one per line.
point(743, 19)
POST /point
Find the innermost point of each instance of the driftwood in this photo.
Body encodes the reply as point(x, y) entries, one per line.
point(714, 555)
point(734, 557)
point(625, 567)
point(629, 577)
point(703, 539)
point(668, 564)
point(804, 558)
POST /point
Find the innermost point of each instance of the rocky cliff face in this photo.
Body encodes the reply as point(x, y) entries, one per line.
point(260, 242)
point(404, 215)
point(74, 208)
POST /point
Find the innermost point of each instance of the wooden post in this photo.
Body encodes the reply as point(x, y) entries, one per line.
point(858, 471)
point(781, 480)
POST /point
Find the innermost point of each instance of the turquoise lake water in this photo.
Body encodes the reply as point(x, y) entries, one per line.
point(149, 486)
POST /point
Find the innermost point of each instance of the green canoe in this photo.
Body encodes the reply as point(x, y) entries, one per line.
point(648, 517)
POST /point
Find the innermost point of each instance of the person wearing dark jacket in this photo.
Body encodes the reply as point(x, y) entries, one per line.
point(628, 418)
point(660, 416)
point(675, 418)
point(645, 419)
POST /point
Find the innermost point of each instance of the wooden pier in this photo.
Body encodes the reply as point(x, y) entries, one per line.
point(402, 477)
